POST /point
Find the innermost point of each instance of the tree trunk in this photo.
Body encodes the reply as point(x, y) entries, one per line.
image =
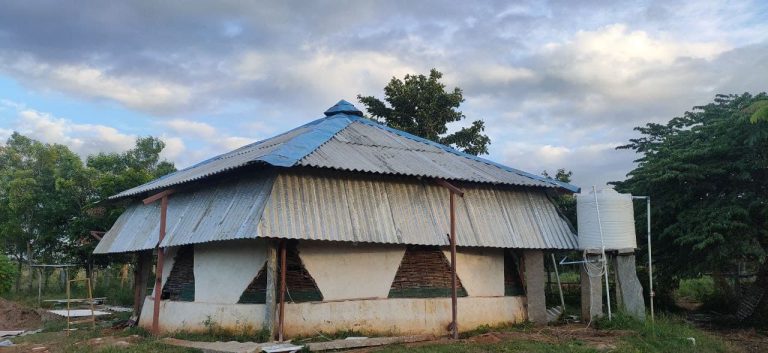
point(29, 262)
point(754, 295)
point(18, 275)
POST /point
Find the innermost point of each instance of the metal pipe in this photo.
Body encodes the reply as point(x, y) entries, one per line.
point(159, 266)
point(651, 294)
point(605, 257)
point(454, 302)
point(281, 316)
point(559, 286)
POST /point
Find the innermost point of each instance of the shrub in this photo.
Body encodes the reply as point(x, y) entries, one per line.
point(8, 274)
point(698, 289)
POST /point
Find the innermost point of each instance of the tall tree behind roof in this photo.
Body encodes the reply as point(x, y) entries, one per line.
point(421, 105)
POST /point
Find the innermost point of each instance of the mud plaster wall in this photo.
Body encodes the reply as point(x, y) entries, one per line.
point(180, 284)
point(346, 271)
point(168, 260)
point(481, 271)
point(224, 269)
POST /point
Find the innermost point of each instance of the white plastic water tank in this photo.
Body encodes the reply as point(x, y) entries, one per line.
point(616, 216)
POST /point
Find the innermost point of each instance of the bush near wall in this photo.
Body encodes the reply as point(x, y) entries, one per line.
point(8, 274)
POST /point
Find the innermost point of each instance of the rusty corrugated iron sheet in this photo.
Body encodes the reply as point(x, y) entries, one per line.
point(337, 206)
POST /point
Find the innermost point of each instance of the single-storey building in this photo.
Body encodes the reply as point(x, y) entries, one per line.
point(353, 219)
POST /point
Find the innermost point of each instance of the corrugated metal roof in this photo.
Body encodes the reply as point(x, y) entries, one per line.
point(342, 207)
point(346, 141)
point(283, 150)
point(230, 209)
point(369, 148)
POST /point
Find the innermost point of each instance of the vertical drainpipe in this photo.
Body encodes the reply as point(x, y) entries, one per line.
point(163, 197)
point(454, 300)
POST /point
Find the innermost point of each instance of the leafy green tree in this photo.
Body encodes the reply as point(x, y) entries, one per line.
point(421, 106)
point(706, 174)
point(8, 274)
point(111, 173)
point(564, 201)
point(41, 187)
point(49, 199)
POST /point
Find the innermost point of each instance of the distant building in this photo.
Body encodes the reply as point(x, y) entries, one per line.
point(365, 222)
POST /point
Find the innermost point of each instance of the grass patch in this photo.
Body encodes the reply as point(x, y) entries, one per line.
point(700, 289)
point(667, 334)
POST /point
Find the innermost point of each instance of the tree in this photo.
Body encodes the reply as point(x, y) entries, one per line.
point(706, 174)
point(111, 173)
point(565, 202)
point(49, 199)
point(421, 106)
point(41, 187)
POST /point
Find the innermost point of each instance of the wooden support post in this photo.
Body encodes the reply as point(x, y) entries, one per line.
point(271, 291)
point(454, 300)
point(283, 268)
point(453, 190)
point(163, 197)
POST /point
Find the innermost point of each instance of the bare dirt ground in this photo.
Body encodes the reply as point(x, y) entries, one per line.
point(17, 317)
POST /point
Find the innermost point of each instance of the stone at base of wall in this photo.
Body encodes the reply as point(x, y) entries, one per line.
point(403, 316)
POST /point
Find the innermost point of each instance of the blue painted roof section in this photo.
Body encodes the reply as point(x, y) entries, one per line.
point(290, 148)
point(283, 150)
point(343, 107)
point(288, 154)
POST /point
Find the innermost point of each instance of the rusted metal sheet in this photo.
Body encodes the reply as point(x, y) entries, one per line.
point(343, 207)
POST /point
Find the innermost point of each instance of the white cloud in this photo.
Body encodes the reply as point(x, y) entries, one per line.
point(320, 74)
point(595, 164)
point(217, 140)
point(191, 128)
point(83, 139)
point(615, 62)
point(141, 93)
point(174, 148)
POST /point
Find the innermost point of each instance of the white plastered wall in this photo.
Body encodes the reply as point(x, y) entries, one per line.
point(347, 271)
point(192, 316)
point(481, 270)
point(402, 316)
point(224, 269)
point(383, 316)
point(169, 256)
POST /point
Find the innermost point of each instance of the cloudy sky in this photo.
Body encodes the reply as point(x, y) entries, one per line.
point(559, 83)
